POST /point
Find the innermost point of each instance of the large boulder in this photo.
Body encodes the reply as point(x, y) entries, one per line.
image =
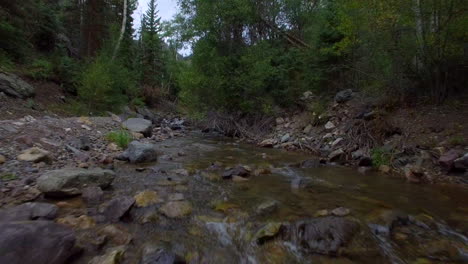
point(71, 181)
point(138, 125)
point(138, 152)
point(38, 242)
point(29, 211)
point(12, 85)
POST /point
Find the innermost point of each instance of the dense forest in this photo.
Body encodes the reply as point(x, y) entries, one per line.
point(248, 56)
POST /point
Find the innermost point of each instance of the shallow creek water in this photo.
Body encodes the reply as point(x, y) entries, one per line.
point(224, 221)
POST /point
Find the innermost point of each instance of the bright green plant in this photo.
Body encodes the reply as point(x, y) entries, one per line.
point(41, 69)
point(122, 138)
point(8, 177)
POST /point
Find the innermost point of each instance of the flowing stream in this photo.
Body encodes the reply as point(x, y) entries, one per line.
point(397, 222)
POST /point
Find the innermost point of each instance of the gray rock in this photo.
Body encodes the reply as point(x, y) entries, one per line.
point(138, 125)
point(39, 242)
point(344, 96)
point(92, 195)
point(357, 154)
point(138, 152)
point(34, 155)
point(12, 85)
point(71, 181)
point(285, 138)
point(461, 163)
point(447, 160)
point(117, 208)
point(29, 211)
point(113, 256)
point(307, 129)
point(237, 171)
point(340, 211)
point(329, 125)
point(153, 254)
point(336, 155)
point(324, 235)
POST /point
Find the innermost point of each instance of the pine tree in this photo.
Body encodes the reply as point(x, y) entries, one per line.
point(152, 46)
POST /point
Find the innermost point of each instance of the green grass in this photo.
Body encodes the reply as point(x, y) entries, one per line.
point(122, 138)
point(8, 177)
point(380, 156)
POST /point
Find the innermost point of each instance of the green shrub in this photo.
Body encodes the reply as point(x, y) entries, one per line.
point(122, 138)
point(381, 156)
point(104, 85)
point(41, 69)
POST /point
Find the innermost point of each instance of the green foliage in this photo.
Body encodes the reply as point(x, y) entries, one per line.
point(6, 62)
point(381, 156)
point(41, 69)
point(70, 108)
point(8, 177)
point(122, 138)
point(457, 140)
point(105, 85)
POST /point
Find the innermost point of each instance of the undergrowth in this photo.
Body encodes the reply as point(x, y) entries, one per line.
point(122, 138)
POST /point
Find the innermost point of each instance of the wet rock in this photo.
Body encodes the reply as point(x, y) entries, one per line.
point(336, 155)
point(447, 160)
point(285, 138)
point(138, 125)
point(236, 178)
point(90, 241)
point(81, 222)
point(153, 254)
point(117, 235)
point(310, 163)
point(113, 256)
point(344, 96)
point(459, 164)
point(267, 232)
point(268, 143)
point(329, 125)
point(340, 211)
point(237, 171)
point(117, 208)
point(326, 235)
point(39, 242)
point(29, 211)
point(146, 198)
point(12, 85)
point(138, 152)
point(92, 195)
point(384, 168)
point(177, 209)
point(35, 155)
point(322, 213)
point(383, 221)
point(267, 207)
point(71, 181)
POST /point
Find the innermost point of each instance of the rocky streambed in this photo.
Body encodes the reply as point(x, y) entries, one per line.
point(207, 199)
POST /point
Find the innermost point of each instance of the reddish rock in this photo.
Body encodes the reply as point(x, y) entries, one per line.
point(448, 158)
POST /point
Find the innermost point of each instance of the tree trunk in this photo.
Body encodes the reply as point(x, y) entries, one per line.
point(122, 30)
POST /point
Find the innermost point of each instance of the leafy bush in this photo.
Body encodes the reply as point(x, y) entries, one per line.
point(381, 156)
point(122, 138)
point(105, 85)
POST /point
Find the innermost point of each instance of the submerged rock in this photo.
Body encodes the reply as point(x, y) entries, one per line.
point(138, 152)
point(267, 207)
point(71, 181)
point(324, 235)
point(146, 198)
point(82, 222)
point(237, 171)
point(29, 211)
point(267, 232)
point(39, 242)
